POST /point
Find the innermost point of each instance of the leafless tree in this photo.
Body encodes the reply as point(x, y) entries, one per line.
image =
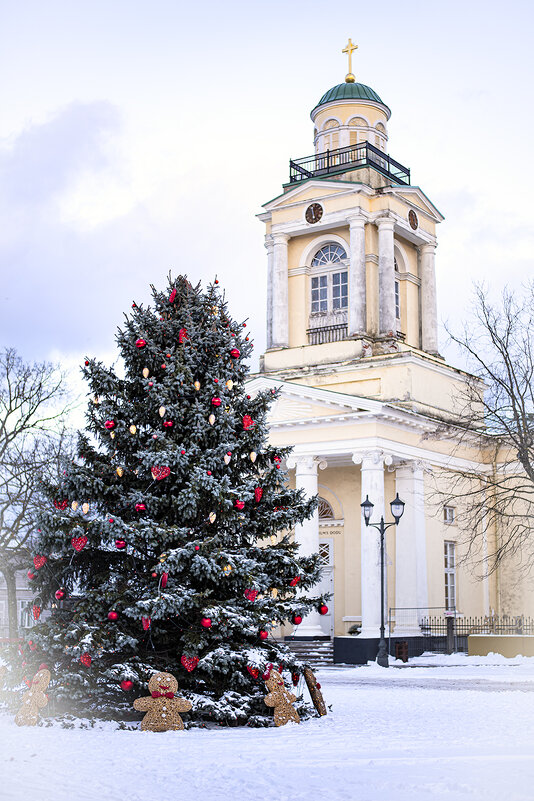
point(495, 500)
point(33, 408)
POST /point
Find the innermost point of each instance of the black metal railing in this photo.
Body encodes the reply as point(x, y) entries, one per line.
point(347, 158)
point(327, 333)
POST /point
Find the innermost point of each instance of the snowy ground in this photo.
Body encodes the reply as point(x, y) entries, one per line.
point(438, 728)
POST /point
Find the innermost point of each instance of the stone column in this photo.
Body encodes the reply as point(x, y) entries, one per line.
point(429, 311)
point(411, 589)
point(386, 277)
point(270, 249)
point(280, 300)
point(357, 276)
point(307, 533)
point(372, 481)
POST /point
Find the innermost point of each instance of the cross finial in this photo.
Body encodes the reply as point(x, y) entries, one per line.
point(349, 49)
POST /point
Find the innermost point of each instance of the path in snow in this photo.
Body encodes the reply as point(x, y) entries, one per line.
point(398, 735)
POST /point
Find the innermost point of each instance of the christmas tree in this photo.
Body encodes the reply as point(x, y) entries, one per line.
point(168, 544)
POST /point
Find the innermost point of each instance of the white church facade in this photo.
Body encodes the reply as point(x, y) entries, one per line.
point(352, 344)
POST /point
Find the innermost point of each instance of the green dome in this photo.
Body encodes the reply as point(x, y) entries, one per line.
point(350, 91)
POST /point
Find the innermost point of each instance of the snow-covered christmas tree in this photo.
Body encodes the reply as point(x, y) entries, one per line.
point(168, 544)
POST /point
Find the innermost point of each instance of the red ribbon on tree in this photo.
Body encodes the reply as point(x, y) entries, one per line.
point(61, 504)
point(182, 335)
point(146, 623)
point(258, 494)
point(248, 422)
point(172, 296)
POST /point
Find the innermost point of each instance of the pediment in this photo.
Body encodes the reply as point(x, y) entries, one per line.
point(310, 190)
point(414, 197)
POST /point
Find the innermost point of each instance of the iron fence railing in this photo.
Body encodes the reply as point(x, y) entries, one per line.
point(347, 158)
point(327, 333)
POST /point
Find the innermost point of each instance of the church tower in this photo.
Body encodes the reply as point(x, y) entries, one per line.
point(351, 262)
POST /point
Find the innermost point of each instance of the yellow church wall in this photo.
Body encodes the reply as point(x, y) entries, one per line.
point(344, 111)
point(298, 317)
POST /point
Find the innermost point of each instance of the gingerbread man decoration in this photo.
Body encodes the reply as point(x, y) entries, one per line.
point(280, 698)
point(34, 699)
point(161, 707)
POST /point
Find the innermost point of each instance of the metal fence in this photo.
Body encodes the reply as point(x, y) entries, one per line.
point(412, 631)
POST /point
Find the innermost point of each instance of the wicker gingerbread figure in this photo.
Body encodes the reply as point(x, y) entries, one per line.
point(161, 707)
point(281, 699)
point(33, 700)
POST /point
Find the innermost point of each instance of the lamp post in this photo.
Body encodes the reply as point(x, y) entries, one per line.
point(397, 509)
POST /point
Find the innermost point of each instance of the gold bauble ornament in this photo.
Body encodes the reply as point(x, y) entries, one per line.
point(274, 592)
point(120, 471)
point(197, 385)
point(133, 429)
point(162, 557)
point(212, 517)
point(211, 419)
point(112, 435)
point(274, 539)
point(227, 458)
point(74, 505)
point(146, 372)
point(85, 508)
point(230, 383)
point(227, 569)
point(162, 411)
point(253, 456)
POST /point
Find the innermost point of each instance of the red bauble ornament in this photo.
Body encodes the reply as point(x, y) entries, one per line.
point(39, 561)
point(182, 335)
point(258, 494)
point(154, 575)
point(240, 504)
point(294, 581)
point(126, 685)
point(197, 547)
point(254, 672)
point(295, 679)
point(85, 659)
point(78, 543)
point(36, 611)
point(164, 579)
point(59, 594)
point(248, 422)
point(109, 424)
point(168, 423)
point(140, 507)
point(61, 504)
point(206, 622)
point(318, 685)
point(208, 472)
point(150, 383)
point(86, 363)
point(235, 353)
point(189, 662)
point(146, 621)
point(113, 615)
point(182, 452)
point(160, 472)
point(297, 620)
point(215, 401)
point(120, 544)
point(140, 343)
point(323, 609)
point(30, 575)
point(251, 595)
point(263, 634)
point(163, 366)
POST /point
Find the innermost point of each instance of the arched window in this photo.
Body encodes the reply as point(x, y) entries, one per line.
point(330, 280)
point(325, 510)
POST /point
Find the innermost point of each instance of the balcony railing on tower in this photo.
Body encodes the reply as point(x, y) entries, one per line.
point(348, 158)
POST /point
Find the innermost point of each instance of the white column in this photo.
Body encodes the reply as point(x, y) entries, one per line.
point(372, 481)
point(429, 311)
point(307, 532)
point(357, 292)
point(386, 277)
point(411, 588)
point(280, 326)
point(270, 249)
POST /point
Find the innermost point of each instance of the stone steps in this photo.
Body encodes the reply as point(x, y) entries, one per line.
point(318, 653)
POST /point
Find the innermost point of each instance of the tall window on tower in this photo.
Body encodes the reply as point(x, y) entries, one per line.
point(450, 574)
point(397, 292)
point(329, 295)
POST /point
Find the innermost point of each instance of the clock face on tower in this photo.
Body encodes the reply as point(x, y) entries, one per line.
point(314, 213)
point(412, 219)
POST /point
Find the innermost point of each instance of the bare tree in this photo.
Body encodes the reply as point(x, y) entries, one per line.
point(496, 422)
point(33, 407)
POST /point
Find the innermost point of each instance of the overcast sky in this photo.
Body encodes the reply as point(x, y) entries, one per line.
point(138, 137)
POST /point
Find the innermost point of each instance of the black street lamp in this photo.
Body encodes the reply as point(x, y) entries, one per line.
point(397, 509)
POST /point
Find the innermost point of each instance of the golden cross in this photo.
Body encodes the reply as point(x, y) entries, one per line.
point(349, 49)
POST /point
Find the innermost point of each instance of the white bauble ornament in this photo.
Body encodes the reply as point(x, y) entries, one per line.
point(162, 411)
point(211, 419)
point(253, 456)
point(227, 459)
point(146, 372)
